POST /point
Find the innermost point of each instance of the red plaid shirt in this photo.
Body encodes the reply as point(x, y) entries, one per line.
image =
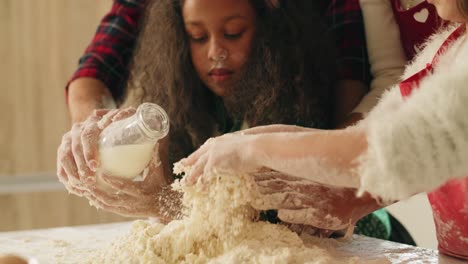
point(107, 56)
point(110, 51)
point(345, 20)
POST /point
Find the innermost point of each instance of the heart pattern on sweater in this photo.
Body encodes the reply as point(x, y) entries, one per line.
point(422, 15)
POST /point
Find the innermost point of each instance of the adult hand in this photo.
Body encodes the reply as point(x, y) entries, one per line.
point(78, 152)
point(300, 201)
point(78, 164)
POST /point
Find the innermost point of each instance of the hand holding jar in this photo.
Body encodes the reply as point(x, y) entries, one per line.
point(113, 159)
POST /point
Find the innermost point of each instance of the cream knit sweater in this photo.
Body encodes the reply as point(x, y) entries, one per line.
point(418, 143)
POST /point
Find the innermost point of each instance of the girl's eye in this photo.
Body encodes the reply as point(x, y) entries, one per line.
point(198, 39)
point(233, 36)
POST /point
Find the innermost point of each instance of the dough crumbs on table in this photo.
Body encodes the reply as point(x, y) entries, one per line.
point(219, 226)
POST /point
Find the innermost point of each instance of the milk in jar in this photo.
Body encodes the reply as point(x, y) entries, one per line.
point(126, 146)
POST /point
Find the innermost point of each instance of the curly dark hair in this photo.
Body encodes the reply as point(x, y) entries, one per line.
point(288, 78)
point(463, 7)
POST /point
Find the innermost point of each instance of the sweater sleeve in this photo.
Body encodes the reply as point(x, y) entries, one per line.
point(418, 143)
point(386, 55)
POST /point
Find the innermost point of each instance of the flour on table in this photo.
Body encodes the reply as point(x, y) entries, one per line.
point(219, 227)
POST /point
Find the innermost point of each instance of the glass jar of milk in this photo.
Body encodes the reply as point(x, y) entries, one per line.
point(126, 146)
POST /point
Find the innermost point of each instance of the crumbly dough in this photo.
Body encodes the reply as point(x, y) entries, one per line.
point(219, 227)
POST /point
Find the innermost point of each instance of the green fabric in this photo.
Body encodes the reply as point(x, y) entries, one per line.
point(399, 233)
point(376, 224)
point(225, 124)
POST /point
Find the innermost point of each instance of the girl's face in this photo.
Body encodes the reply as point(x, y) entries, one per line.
point(448, 10)
point(220, 34)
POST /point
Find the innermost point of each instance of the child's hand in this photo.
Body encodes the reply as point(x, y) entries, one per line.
point(150, 196)
point(230, 152)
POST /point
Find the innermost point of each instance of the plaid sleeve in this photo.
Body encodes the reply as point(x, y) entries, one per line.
point(107, 56)
point(345, 20)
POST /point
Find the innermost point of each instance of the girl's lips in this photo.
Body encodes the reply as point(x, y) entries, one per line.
point(219, 75)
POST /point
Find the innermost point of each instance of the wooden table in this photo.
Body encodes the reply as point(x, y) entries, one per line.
point(71, 244)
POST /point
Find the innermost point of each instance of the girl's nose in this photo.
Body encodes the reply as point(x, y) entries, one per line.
point(217, 52)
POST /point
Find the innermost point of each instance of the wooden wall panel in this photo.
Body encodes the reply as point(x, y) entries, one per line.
point(6, 88)
point(40, 44)
point(33, 210)
point(40, 47)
